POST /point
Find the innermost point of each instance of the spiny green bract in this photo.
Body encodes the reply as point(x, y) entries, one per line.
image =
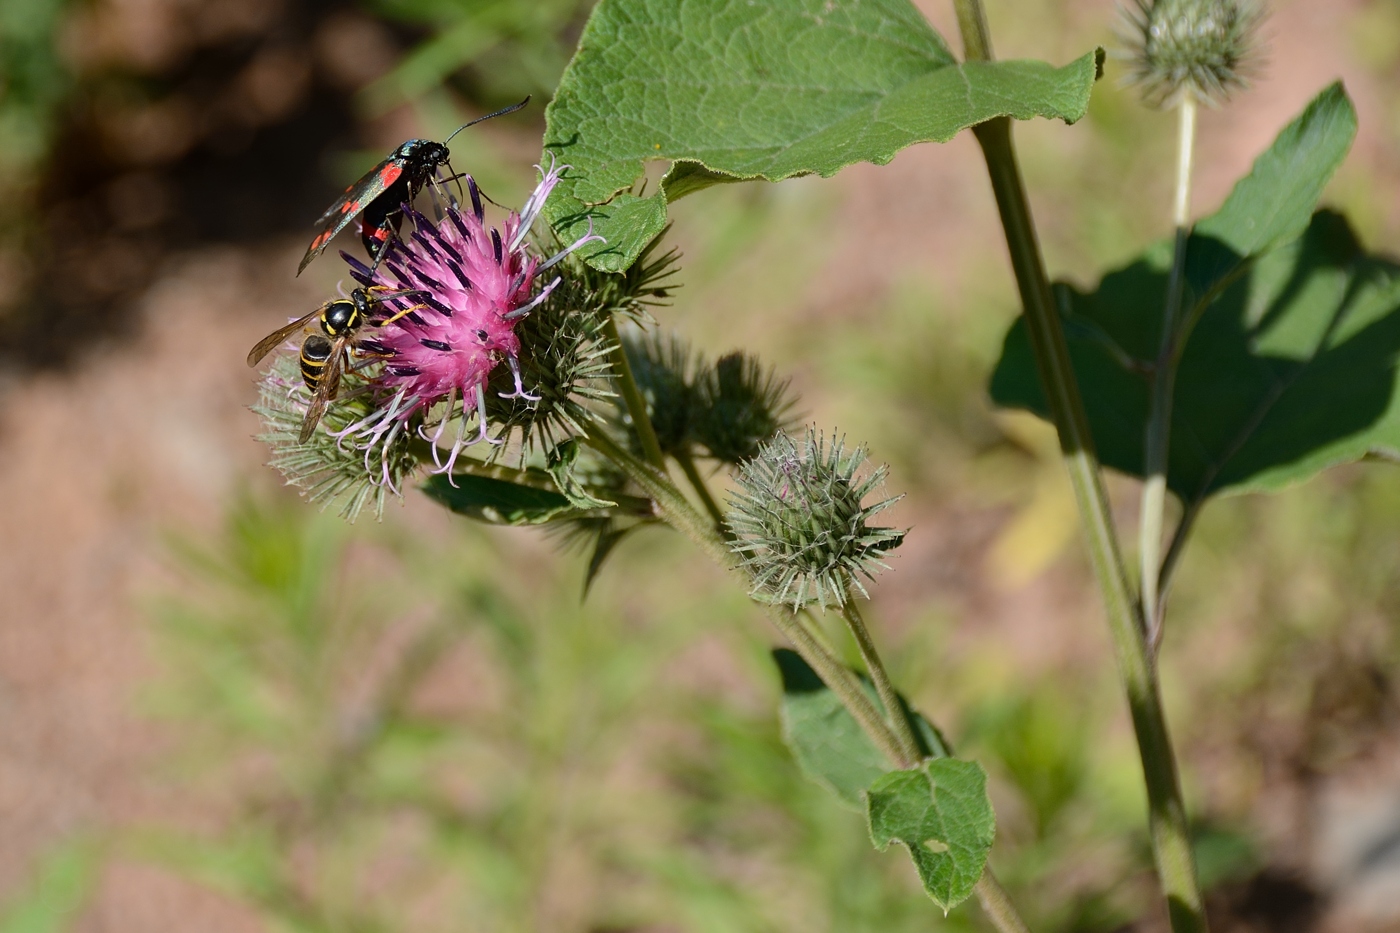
point(1196, 47)
point(662, 364)
point(327, 468)
point(799, 523)
point(739, 406)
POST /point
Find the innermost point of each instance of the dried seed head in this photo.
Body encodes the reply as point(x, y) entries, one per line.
point(1199, 47)
point(800, 524)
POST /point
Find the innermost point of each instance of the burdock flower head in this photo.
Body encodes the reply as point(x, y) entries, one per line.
point(1197, 47)
point(473, 285)
point(800, 523)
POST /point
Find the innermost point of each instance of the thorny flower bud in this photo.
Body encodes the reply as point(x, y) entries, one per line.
point(800, 524)
point(324, 469)
point(662, 366)
point(1197, 47)
point(739, 405)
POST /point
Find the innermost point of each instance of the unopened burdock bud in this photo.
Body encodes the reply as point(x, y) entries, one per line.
point(739, 405)
point(1204, 48)
point(800, 523)
point(662, 365)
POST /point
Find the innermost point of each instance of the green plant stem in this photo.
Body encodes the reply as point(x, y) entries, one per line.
point(1164, 579)
point(1171, 842)
point(903, 730)
point(1158, 440)
point(996, 904)
point(702, 489)
point(632, 397)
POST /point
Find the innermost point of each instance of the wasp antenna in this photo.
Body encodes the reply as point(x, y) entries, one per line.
point(499, 113)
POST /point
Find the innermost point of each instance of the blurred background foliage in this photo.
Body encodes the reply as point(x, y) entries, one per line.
point(419, 726)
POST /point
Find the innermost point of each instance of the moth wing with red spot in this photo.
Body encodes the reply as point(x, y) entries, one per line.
point(356, 198)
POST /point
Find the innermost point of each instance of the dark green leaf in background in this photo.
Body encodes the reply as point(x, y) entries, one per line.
point(1291, 366)
point(499, 502)
point(734, 91)
point(939, 812)
point(829, 745)
point(826, 741)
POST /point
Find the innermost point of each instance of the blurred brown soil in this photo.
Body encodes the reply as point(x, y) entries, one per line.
point(149, 432)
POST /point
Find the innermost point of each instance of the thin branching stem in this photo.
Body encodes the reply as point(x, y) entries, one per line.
point(1158, 441)
point(903, 730)
point(1171, 841)
point(632, 397)
point(702, 489)
point(1178, 544)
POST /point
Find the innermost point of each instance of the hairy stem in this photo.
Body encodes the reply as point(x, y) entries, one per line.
point(632, 397)
point(702, 489)
point(876, 668)
point(1158, 440)
point(1171, 843)
point(996, 904)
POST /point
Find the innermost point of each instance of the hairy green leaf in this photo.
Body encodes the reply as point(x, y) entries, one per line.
point(940, 812)
point(736, 91)
point(827, 743)
point(1291, 364)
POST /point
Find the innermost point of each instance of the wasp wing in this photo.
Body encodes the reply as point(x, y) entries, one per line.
point(326, 390)
point(355, 199)
point(270, 342)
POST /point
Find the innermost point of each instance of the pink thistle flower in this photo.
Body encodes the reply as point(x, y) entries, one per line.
point(471, 286)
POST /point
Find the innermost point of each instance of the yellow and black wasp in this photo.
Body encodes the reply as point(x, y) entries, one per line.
point(324, 356)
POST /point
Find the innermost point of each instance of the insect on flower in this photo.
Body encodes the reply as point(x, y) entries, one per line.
point(325, 355)
point(383, 191)
point(476, 284)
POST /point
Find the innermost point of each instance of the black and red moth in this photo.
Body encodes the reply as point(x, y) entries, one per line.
point(378, 198)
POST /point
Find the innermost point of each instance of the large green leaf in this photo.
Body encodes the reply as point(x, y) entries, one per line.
point(940, 812)
point(1291, 370)
point(734, 91)
point(1291, 367)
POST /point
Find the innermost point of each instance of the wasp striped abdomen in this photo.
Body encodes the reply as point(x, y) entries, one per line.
point(316, 352)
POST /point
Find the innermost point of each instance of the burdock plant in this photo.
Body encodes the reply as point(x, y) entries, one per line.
point(515, 387)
